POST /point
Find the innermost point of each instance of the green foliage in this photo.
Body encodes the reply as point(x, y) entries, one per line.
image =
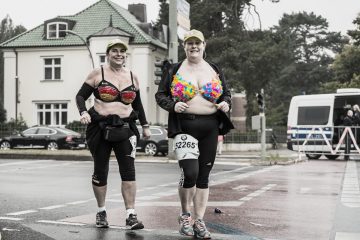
point(12, 126)
point(7, 31)
point(163, 18)
point(355, 34)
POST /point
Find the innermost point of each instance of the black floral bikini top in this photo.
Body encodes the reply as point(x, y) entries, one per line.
point(107, 92)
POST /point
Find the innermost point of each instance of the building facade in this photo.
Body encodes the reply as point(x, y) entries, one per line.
point(45, 66)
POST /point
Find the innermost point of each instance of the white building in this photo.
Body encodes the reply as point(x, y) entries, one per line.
point(47, 65)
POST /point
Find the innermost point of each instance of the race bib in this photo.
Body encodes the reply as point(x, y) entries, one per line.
point(185, 147)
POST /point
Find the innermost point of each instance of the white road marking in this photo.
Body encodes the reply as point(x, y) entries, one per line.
point(177, 204)
point(350, 196)
point(61, 223)
point(257, 193)
point(79, 202)
point(114, 200)
point(11, 218)
point(347, 236)
point(21, 212)
point(241, 187)
point(22, 163)
point(245, 198)
point(53, 207)
point(10, 230)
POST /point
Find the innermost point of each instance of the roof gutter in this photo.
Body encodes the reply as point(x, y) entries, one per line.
point(16, 84)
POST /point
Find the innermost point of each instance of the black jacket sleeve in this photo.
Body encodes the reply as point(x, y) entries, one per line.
point(163, 95)
point(139, 109)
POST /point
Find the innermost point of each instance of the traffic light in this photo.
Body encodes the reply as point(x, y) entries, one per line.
point(260, 101)
point(159, 66)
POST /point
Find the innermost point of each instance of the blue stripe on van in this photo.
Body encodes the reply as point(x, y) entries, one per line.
point(302, 133)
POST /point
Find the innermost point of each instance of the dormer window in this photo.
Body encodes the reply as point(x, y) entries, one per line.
point(56, 30)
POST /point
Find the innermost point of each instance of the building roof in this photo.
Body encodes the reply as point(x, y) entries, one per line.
point(92, 21)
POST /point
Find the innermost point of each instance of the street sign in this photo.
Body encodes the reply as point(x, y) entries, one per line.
point(183, 22)
point(183, 8)
point(255, 122)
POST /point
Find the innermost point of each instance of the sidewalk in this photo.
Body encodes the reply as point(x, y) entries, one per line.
point(273, 156)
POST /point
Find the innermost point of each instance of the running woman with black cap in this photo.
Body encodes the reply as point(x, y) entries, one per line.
point(111, 126)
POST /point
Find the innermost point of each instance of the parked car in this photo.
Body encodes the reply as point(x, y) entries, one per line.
point(52, 138)
point(157, 143)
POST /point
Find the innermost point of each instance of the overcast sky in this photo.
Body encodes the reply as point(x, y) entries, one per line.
point(339, 13)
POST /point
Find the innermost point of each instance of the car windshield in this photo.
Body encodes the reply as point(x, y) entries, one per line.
point(67, 131)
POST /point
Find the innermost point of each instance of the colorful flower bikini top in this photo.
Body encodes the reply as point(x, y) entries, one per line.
point(184, 91)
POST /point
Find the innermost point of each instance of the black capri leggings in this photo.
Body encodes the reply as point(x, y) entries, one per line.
point(124, 152)
point(205, 128)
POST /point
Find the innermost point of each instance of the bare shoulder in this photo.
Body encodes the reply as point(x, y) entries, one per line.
point(93, 77)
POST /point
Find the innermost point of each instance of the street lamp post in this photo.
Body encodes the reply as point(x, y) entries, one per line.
point(86, 44)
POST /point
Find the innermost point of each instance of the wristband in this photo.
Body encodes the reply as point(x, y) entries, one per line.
point(83, 112)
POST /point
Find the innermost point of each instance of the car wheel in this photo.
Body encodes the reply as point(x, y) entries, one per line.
point(331, 156)
point(5, 145)
point(151, 149)
point(313, 156)
point(52, 146)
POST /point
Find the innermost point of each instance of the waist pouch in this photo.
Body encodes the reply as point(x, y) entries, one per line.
point(117, 133)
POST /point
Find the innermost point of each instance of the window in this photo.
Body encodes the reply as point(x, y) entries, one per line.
point(52, 68)
point(54, 114)
point(318, 115)
point(102, 59)
point(30, 131)
point(56, 30)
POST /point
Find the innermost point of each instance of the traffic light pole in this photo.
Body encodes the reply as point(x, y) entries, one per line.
point(173, 46)
point(263, 129)
point(173, 51)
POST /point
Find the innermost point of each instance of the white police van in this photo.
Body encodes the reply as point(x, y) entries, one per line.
point(314, 122)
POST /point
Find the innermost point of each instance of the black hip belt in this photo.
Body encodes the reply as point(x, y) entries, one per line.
point(188, 116)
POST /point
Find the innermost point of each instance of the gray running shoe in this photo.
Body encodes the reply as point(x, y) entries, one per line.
point(185, 222)
point(101, 220)
point(200, 230)
point(133, 223)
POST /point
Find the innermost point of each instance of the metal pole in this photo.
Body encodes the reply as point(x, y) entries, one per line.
point(173, 46)
point(173, 51)
point(263, 129)
point(86, 44)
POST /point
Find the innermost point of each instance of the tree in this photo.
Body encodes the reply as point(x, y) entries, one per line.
point(7, 31)
point(346, 66)
point(355, 34)
point(163, 18)
point(307, 48)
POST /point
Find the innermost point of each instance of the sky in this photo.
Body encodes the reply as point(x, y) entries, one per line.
point(339, 13)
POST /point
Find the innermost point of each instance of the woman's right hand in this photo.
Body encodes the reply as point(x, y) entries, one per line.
point(180, 107)
point(85, 118)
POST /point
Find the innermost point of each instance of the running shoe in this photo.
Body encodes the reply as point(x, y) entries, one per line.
point(200, 230)
point(133, 223)
point(101, 220)
point(186, 227)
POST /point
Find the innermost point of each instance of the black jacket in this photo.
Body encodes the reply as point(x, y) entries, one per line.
point(165, 100)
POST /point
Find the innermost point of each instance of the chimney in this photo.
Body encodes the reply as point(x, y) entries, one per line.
point(139, 11)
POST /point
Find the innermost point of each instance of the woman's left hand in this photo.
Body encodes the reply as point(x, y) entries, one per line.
point(146, 132)
point(223, 106)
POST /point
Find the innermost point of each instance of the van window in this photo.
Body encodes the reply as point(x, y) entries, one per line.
point(315, 115)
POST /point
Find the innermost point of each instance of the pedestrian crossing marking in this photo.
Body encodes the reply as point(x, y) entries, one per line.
point(350, 195)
